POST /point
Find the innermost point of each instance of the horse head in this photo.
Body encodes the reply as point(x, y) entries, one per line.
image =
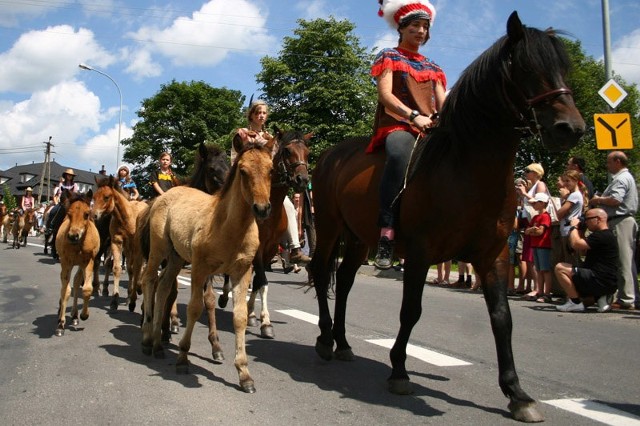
point(253, 168)
point(104, 200)
point(291, 160)
point(78, 207)
point(537, 65)
point(211, 169)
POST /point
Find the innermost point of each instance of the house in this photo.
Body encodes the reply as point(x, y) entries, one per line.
point(18, 178)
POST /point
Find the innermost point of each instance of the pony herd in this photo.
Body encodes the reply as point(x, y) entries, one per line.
point(17, 225)
point(517, 84)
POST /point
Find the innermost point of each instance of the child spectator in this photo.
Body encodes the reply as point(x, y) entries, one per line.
point(540, 232)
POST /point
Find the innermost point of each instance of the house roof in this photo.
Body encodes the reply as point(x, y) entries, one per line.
point(18, 178)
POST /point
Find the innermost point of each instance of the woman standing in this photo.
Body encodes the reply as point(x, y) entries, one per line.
point(411, 90)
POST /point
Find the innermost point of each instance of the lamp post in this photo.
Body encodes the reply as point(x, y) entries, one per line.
point(89, 68)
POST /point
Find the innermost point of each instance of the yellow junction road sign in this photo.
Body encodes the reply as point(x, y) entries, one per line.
point(613, 131)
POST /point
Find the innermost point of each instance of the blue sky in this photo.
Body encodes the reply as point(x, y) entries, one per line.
point(144, 43)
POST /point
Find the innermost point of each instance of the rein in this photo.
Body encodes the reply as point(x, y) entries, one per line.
point(284, 169)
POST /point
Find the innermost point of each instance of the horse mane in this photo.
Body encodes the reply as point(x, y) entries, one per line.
point(471, 106)
point(112, 182)
point(232, 173)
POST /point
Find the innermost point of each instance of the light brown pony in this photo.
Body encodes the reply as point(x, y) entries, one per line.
point(291, 170)
point(77, 244)
point(216, 234)
point(16, 228)
point(4, 229)
point(110, 199)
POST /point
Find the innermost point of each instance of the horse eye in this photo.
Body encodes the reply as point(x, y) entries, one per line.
point(86, 215)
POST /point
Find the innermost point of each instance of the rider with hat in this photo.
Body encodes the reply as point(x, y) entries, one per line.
point(27, 202)
point(411, 91)
point(67, 186)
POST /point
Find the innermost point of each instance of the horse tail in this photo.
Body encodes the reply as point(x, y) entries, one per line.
point(144, 231)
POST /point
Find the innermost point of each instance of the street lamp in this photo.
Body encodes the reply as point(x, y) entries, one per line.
point(89, 68)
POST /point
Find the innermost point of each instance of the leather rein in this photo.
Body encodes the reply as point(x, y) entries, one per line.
point(285, 170)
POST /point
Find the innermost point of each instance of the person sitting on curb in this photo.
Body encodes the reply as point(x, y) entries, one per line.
point(597, 276)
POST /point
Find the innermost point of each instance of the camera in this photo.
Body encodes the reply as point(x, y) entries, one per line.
point(581, 226)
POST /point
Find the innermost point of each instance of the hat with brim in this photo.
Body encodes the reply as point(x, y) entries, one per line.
point(68, 172)
point(29, 189)
point(539, 197)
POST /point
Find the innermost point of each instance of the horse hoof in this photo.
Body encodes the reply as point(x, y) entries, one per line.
point(252, 322)
point(105, 292)
point(222, 301)
point(75, 322)
point(175, 328)
point(139, 291)
point(526, 412)
point(324, 351)
point(114, 305)
point(248, 387)
point(182, 368)
point(84, 317)
point(218, 356)
point(266, 332)
point(344, 355)
point(146, 349)
point(132, 306)
point(59, 332)
point(400, 386)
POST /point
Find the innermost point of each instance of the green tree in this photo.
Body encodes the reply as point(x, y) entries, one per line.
point(586, 78)
point(177, 119)
point(320, 82)
point(8, 198)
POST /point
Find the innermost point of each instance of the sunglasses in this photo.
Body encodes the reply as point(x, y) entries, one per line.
point(527, 170)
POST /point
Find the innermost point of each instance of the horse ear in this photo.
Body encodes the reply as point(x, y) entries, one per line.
point(515, 29)
point(89, 195)
point(202, 150)
point(308, 136)
point(270, 142)
point(278, 132)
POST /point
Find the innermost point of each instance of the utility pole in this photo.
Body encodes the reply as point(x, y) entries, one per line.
point(606, 35)
point(46, 168)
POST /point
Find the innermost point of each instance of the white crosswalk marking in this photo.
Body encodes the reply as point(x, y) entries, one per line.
point(595, 411)
point(423, 354)
point(310, 318)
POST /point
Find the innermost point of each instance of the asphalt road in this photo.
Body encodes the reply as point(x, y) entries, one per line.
point(581, 367)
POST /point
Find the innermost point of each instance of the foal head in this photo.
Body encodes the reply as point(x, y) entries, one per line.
point(211, 169)
point(78, 209)
point(105, 198)
point(291, 161)
point(252, 173)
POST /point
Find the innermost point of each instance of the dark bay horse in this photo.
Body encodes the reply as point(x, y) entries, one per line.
point(291, 171)
point(517, 83)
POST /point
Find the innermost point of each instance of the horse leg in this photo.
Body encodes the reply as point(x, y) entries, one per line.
point(134, 281)
point(522, 406)
point(87, 288)
point(77, 282)
point(320, 268)
point(240, 286)
point(116, 249)
point(210, 306)
point(194, 310)
point(415, 274)
point(149, 285)
point(355, 254)
point(170, 319)
point(226, 288)
point(108, 266)
point(166, 285)
point(65, 291)
point(261, 286)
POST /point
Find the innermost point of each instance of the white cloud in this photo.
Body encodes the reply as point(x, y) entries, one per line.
point(625, 56)
point(207, 37)
point(11, 12)
point(40, 59)
point(141, 65)
point(312, 9)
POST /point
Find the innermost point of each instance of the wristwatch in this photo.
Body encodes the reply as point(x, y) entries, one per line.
point(413, 115)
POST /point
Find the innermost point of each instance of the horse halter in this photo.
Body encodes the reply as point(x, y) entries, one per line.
point(285, 170)
point(537, 100)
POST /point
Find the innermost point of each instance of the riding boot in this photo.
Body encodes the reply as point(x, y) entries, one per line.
point(298, 257)
point(384, 257)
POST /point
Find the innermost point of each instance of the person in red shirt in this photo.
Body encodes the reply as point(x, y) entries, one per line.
point(540, 232)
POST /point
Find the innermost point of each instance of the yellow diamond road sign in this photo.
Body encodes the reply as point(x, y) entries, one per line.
point(613, 131)
point(612, 93)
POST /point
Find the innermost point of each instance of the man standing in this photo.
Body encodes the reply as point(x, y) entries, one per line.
point(620, 201)
point(597, 276)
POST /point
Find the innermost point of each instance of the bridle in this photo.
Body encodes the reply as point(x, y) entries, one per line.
point(285, 170)
point(531, 106)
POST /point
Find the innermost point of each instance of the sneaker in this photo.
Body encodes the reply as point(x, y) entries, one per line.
point(297, 256)
point(604, 304)
point(384, 256)
point(571, 307)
